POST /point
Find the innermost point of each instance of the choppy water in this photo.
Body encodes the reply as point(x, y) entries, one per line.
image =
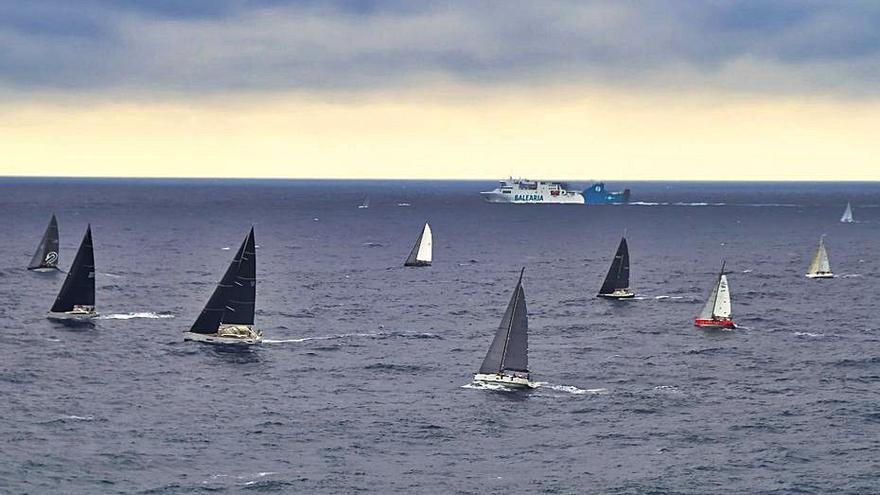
point(362, 385)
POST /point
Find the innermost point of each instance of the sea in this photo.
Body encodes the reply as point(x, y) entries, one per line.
point(363, 383)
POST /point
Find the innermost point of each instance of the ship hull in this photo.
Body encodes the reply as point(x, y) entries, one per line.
point(505, 379)
point(820, 275)
point(523, 199)
point(72, 315)
point(618, 294)
point(213, 338)
point(714, 323)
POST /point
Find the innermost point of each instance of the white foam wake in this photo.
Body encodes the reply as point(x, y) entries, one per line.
point(129, 316)
point(808, 334)
point(668, 297)
point(571, 389)
point(350, 335)
point(489, 386)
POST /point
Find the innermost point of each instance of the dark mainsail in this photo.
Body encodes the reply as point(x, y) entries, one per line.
point(46, 255)
point(509, 349)
point(242, 292)
point(79, 286)
point(234, 298)
point(618, 274)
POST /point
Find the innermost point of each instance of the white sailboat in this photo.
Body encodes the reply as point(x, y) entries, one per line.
point(717, 310)
point(423, 251)
point(507, 362)
point(847, 214)
point(365, 204)
point(819, 265)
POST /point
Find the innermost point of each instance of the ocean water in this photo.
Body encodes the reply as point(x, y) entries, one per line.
point(363, 382)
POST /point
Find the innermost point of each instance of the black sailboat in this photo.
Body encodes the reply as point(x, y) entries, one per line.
point(616, 285)
point(507, 361)
point(228, 318)
point(46, 256)
point(76, 300)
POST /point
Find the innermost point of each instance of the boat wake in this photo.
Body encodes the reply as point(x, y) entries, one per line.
point(129, 316)
point(499, 387)
point(660, 298)
point(571, 389)
point(852, 275)
point(808, 334)
point(372, 335)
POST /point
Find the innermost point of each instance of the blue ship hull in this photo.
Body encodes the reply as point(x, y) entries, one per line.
point(597, 195)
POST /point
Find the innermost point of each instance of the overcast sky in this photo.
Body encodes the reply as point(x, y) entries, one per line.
point(620, 85)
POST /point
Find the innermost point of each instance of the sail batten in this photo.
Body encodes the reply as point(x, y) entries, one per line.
point(79, 285)
point(46, 255)
point(509, 348)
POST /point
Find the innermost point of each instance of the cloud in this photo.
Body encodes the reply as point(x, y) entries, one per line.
point(220, 46)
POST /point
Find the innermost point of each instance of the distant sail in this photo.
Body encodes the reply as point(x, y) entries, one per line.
point(46, 255)
point(820, 267)
point(617, 279)
point(847, 214)
point(79, 286)
point(234, 299)
point(422, 252)
point(365, 203)
point(509, 349)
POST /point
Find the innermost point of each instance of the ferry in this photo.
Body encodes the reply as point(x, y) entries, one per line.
point(523, 191)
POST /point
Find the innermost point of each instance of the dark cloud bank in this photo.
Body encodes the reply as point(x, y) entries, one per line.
point(197, 46)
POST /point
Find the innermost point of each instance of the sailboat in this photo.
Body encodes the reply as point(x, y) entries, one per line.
point(365, 204)
point(847, 214)
point(716, 311)
point(228, 318)
point(819, 265)
point(76, 300)
point(45, 258)
point(507, 361)
point(616, 285)
point(422, 252)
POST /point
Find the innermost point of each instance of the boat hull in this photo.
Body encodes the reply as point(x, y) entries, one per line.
point(213, 338)
point(714, 323)
point(418, 263)
point(618, 294)
point(505, 379)
point(72, 315)
point(820, 275)
point(44, 269)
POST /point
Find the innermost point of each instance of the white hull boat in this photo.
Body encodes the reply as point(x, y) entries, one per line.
point(505, 379)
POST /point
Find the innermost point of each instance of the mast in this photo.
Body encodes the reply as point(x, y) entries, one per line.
point(509, 349)
point(79, 286)
point(212, 315)
point(46, 255)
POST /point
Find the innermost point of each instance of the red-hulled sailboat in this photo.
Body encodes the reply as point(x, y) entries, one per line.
point(716, 312)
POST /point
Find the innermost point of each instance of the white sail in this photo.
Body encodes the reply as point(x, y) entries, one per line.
point(722, 299)
point(709, 308)
point(820, 264)
point(847, 214)
point(426, 246)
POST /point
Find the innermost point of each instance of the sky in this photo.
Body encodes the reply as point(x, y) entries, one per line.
point(590, 89)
